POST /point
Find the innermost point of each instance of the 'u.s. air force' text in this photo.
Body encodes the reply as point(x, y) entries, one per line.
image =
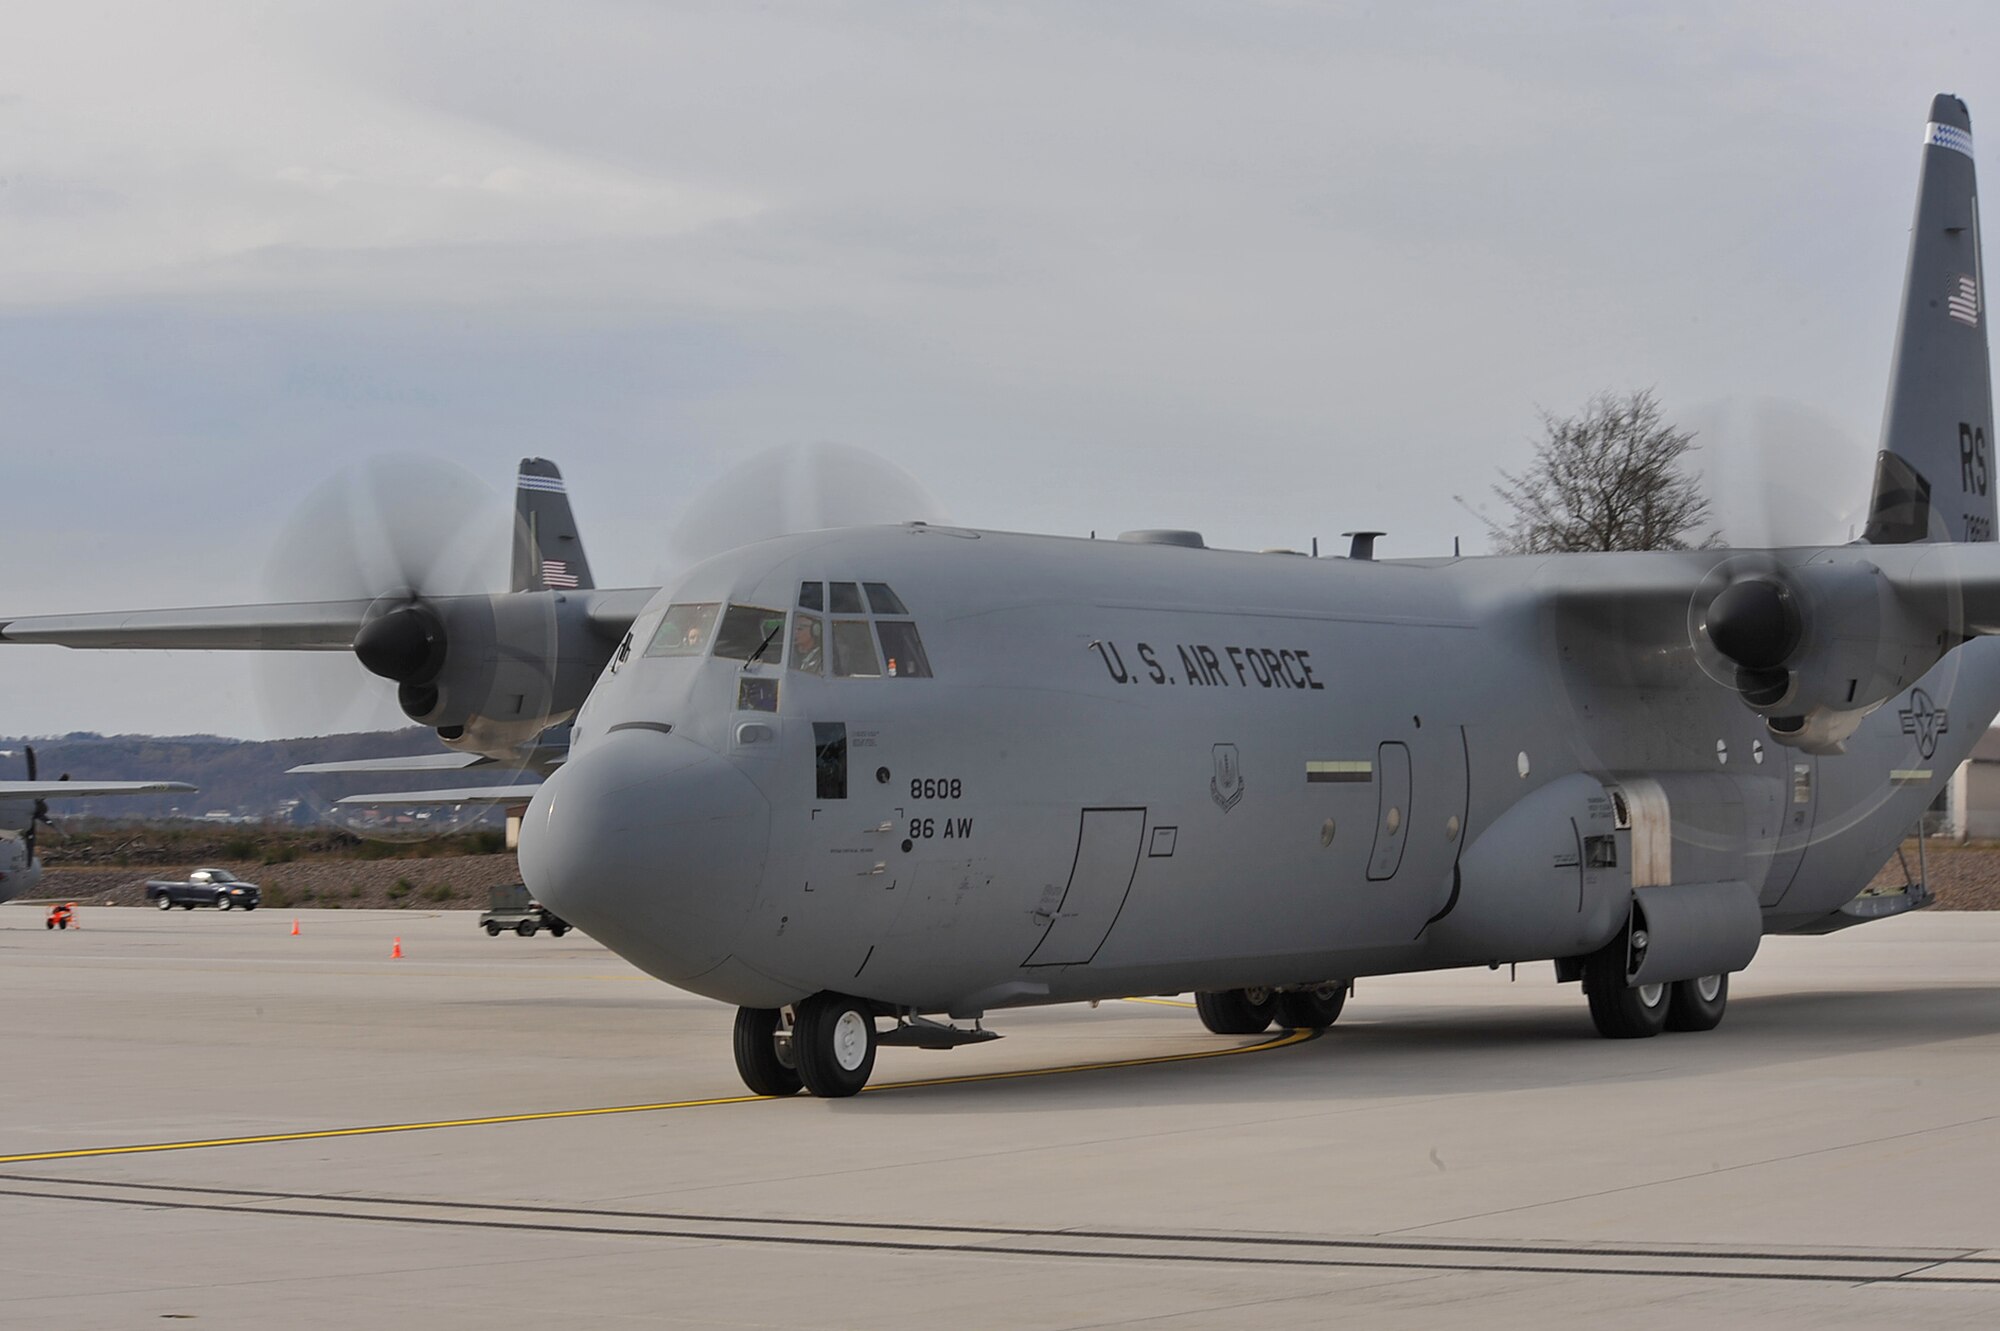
point(1210, 667)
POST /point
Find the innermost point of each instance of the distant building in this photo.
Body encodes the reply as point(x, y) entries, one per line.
point(1971, 799)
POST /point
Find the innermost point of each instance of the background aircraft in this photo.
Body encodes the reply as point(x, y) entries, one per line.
point(24, 811)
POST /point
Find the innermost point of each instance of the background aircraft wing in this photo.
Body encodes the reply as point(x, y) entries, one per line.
point(465, 795)
point(64, 789)
point(416, 762)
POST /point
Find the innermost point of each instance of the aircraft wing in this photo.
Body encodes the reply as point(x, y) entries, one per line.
point(613, 610)
point(417, 762)
point(295, 626)
point(42, 790)
point(466, 795)
point(299, 626)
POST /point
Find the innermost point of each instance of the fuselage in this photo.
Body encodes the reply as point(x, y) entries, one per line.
point(1103, 768)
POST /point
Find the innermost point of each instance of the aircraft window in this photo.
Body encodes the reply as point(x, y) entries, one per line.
point(844, 598)
point(751, 632)
point(756, 693)
point(684, 630)
point(882, 601)
point(806, 644)
point(812, 596)
point(903, 649)
point(830, 760)
point(854, 649)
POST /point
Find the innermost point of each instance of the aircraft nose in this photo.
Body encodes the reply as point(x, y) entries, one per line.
point(651, 844)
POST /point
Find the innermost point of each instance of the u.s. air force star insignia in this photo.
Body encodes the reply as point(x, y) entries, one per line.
point(1226, 786)
point(1926, 720)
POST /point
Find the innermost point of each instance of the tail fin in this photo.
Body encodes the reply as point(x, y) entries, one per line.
point(548, 554)
point(1934, 476)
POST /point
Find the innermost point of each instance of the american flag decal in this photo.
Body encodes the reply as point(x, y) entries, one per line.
point(1962, 300)
point(556, 574)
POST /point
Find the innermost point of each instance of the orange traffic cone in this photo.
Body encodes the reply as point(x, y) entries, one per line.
point(396, 952)
point(295, 926)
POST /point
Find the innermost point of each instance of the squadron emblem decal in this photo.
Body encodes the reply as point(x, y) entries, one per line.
point(1925, 720)
point(1226, 786)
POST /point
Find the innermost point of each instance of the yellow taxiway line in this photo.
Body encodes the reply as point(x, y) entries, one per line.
point(1279, 1041)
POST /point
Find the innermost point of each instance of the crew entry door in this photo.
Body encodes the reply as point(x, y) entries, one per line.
point(1107, 856)
point(1392, 811)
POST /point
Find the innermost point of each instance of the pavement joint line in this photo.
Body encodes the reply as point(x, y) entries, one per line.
point(1032, 1250)
point(1919, 1259)
point(1283, 1040)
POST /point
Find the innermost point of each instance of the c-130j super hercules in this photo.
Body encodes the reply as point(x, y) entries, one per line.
point(870, 783)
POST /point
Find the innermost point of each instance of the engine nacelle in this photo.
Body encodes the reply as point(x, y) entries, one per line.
point(1816, 647)
point(490, 673)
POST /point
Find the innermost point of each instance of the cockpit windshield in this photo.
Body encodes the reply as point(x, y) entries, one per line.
point(685, 630)
point(752, 633)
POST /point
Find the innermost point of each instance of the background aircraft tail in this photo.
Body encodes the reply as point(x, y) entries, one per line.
point(548, 553)
point(1934, 475)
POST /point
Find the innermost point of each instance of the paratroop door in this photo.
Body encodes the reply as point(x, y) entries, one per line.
point(1107, 855)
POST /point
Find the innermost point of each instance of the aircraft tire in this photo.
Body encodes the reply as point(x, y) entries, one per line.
point(764, 1067)
point(1235, 1011)
point(833, 1041)
point(1691, 1009)
point(1311, 1009)
point(1622, 1011)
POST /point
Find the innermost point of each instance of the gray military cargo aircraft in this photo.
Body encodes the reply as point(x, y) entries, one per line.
point(898, 774)
point(24, 812)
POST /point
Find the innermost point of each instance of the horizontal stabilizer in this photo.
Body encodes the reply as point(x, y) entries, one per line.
point(46, 790)
point(416, 762)
point(467, 795)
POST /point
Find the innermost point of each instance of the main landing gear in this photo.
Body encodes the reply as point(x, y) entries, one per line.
point(1251, 1011)
point(1624, 1011)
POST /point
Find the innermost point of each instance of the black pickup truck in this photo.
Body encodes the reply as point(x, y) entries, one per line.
point(205, 887)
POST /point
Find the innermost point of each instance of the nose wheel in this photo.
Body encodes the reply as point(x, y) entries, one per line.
point(833, 1043)
point(764, 1052)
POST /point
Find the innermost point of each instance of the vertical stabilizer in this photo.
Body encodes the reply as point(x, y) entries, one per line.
point(548, 553)
point(1934, 475)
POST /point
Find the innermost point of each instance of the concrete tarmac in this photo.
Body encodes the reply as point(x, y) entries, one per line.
point(1460, 1148)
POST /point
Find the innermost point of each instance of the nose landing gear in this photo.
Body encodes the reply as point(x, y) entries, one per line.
point(765, 1052)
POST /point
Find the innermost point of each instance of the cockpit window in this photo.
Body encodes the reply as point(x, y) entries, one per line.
point(882, 601)
point(812, 596)
point(854, 648)
point(806, 654)
point(685, 630)
point(845, 599)
point(751, 632)
point(903, 649)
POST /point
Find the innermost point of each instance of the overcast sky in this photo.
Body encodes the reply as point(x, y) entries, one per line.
point(1272, 271)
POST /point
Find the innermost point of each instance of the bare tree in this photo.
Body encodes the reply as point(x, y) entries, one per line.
point(1608, 479)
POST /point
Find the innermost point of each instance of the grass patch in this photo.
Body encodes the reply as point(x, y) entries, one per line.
point(439, 892)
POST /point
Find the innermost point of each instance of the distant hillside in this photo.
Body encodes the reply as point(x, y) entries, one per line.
point(240, 778)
